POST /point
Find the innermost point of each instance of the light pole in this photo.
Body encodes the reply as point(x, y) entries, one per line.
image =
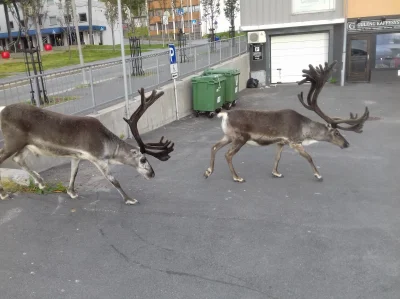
point(121, 34)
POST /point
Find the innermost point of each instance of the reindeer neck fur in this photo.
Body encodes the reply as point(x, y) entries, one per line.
point(314, 132)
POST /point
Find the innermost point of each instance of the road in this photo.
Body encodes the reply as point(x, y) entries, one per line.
point(199, 238)
point(108, 80)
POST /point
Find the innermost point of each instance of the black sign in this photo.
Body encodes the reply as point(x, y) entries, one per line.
point(257, 52)
point(373, 25)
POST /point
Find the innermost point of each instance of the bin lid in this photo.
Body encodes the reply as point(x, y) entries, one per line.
point(213, 78)
point(226, 72)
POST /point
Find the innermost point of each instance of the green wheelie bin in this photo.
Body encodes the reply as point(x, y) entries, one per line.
point(208, 94)
point(232, 84)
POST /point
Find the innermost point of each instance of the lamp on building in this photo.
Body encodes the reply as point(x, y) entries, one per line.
point(383, 19)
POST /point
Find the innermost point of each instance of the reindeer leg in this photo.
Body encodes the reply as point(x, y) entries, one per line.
point(236, 146)
point(4, 155)
point(19, 158)
point(220, 144)
point(74, 171)
point(279, 150)
point(300, 149)
point(103, 167)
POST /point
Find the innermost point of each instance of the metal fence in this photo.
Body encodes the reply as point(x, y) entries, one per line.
point(85, 90)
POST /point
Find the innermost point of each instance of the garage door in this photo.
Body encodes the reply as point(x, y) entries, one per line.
point(293, 53)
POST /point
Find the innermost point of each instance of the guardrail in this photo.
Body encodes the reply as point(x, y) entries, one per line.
point(85, 90)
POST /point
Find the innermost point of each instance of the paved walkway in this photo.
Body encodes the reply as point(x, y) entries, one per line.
point(189, 238)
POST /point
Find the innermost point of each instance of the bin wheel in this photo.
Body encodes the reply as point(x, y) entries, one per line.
point(228, 106)
point(197, 113)
point(211, 114)
point(218, 110)
point(234, 103)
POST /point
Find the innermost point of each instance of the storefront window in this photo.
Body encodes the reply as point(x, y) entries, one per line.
point(388, 50)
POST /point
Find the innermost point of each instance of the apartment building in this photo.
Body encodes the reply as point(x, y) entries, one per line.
point(188, 16)
point(285, 36)
point(57, 27)
point(185, 15)
point(373, 41)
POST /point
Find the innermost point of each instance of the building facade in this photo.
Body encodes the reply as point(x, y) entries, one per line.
point(373, 41)
point(188, 15)
point(181, 17)
point(57, 27)
point(285, 36)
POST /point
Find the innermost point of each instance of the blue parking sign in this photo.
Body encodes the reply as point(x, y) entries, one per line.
point(172, 54)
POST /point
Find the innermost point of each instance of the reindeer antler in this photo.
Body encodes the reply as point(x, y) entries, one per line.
point(145, 148)
point(318, 77)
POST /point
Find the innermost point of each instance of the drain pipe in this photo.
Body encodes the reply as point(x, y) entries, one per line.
point(343, 73)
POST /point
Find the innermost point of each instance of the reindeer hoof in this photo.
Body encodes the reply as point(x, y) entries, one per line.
point(207, 173)
point(72, 194)
point(4, 196)
point(131, 202)
point(277, 175)
point(319, 177)
point(239, 180)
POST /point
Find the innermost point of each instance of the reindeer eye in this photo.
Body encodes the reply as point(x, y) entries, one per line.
point(143, 160)
point(337, 133)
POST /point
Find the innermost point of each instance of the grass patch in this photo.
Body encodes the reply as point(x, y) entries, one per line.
point(54, 100)
point(13, 187)
point(57, 59)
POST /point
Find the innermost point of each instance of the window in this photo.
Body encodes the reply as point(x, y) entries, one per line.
point(388, 50)
point(50, 2)
point(196, 8)
point(67, 19)
point(53, 21)
point(22, 23)
point(41, 20)
point(153, 27)
point(82, 17)
point(12, 25)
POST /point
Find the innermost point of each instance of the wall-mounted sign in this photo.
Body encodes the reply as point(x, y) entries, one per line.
point(373, 25)
point(257, 52)
point(312, 6)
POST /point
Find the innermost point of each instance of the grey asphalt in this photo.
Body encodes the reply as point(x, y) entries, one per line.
point(192, 237)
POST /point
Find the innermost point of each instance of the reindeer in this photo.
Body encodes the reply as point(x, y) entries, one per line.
point(285, 127)
point(27, 128)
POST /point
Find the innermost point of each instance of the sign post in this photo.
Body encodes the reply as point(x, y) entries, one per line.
point(174, 73)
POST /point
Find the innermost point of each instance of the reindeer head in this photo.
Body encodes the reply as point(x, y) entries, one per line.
point(137, 154)
point(140, 163)
point(318, 77)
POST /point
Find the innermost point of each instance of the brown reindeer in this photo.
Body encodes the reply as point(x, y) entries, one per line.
point(27, 129)
point(285, 127)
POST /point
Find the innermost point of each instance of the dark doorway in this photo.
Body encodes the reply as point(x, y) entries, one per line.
point(359, 50)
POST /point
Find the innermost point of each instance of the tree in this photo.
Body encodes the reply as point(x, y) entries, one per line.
point(111, 15)
point(5, 5)
point(231, 11)
point(31, 10)
point(64, 18)
point(135, 9)
point(211, 10)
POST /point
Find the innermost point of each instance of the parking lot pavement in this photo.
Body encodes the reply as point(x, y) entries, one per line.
point(192, 237)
